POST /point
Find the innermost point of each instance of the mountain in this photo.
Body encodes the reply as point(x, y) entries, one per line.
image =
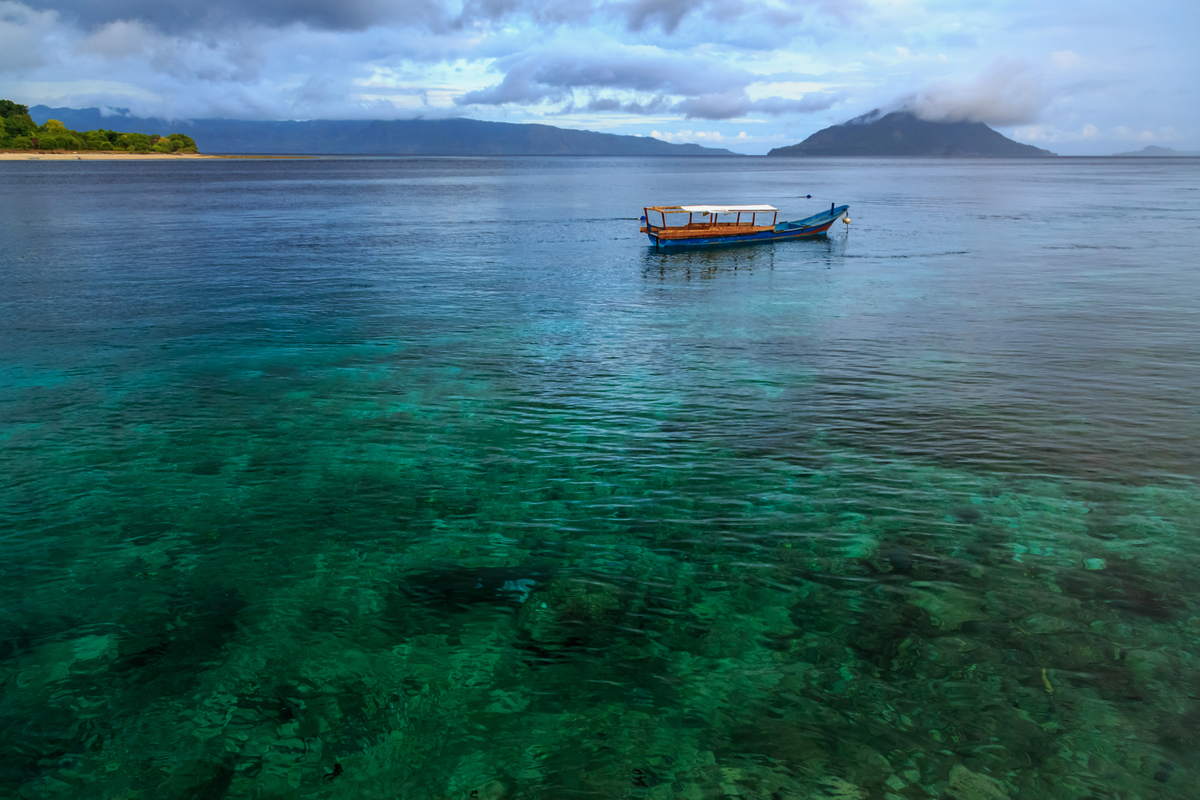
point(1159, 152)
point(458, 136)
point(902, 134)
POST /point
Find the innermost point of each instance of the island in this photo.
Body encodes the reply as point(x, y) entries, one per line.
point(901, 133)
point(1154, 151)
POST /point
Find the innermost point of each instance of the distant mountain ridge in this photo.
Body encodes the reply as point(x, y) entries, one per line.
point(457, 136)
point(1154, 151)
point(903, 134)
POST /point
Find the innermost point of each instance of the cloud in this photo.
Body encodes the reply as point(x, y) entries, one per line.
point(544, 14)
point(249, 73)
point(181, 16)
point(604, 104)
point(178, 16)
point(553, 74)
point(708, 90)
point(667, 13)
point(715, 105)
point(729, 105)
point(655, 105)
point(1065, 59)
point(807, 104)
point(21, 33)
point(119, 40)
point(1006, 93)
point(601, 105)
point(718, 138)
point(643, 15)
point(680, 137)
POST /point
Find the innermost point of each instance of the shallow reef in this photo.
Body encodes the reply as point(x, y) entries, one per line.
point(415, 626)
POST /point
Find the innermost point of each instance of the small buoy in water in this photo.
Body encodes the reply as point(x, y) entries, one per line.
point(846, 220)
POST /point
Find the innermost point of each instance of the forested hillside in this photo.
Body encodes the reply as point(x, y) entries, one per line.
point(18, 131)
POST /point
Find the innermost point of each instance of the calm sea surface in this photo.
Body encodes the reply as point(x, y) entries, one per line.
point(428, 478)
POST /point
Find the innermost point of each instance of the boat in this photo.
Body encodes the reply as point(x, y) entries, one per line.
point(706, 228)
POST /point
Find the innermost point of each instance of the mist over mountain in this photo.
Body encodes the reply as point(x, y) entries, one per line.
point(901, 133)
point(455, 136)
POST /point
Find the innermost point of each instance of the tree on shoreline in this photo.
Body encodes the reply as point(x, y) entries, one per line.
point(18, 131)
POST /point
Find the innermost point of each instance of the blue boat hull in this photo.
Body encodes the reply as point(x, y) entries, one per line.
point(808, 228)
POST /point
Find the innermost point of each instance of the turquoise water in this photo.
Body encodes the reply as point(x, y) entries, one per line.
point(427, 478)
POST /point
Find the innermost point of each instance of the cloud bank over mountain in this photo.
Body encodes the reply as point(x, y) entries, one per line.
point(1006, 93)
point(1084, 76)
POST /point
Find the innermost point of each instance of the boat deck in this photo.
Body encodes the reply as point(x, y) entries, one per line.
point(701, 230)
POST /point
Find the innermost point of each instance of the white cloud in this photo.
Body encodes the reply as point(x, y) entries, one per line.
point(1110, 138)
point(1145, 135)
point(1006, 93)
point(740, 139)
point(1065, 59)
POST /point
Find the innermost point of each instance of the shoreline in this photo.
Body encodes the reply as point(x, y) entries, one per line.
point(111, 155)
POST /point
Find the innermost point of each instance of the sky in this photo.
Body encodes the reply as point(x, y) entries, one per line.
point(1077, 77)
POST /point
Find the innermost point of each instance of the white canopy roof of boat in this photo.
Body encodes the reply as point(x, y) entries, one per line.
point(725, 209)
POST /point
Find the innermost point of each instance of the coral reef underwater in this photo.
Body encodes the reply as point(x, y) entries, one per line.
point(686, 621)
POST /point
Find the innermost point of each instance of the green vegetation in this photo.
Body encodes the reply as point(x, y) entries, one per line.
point(18, 131)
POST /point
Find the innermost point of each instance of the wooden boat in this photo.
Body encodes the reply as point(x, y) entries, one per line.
point(706, 228)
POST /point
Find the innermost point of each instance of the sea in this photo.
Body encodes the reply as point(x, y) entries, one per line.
point(429, 478)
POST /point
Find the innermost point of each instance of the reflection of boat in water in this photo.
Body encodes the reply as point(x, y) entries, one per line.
point(711, 230)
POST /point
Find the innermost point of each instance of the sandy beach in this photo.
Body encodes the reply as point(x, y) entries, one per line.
point(110, 155)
